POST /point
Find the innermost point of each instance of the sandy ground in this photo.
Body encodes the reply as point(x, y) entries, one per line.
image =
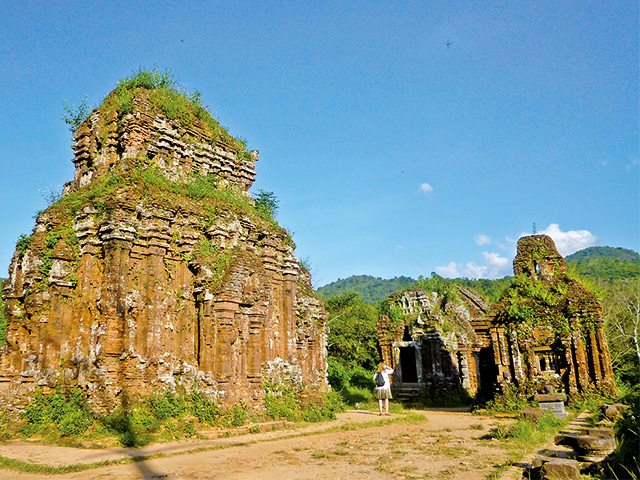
point(445, 445)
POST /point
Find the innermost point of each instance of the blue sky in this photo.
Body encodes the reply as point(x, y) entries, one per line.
point(401, 138)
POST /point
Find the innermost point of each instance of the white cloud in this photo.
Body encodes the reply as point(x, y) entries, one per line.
point(483, 239)
point(495, 266)
point(449, 271)
point(569, 242)
point(498, 266)
point(473, 270)
point(400, 247)
point(425, 188)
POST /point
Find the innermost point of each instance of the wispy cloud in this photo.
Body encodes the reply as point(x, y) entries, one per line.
point(483, 239)
point(425, 188)
point(498, 265)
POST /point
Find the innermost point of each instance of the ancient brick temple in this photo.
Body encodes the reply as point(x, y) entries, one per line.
point(546, 330)
point(137, 281)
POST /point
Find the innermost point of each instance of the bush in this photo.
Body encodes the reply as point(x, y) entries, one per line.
point(281, 401)
point(266, 204)
point(204, 409)
point(626, 457)
point(237, 414)
point(167, 406)
point(60, 414)
point(355, 385)
point(295, 403)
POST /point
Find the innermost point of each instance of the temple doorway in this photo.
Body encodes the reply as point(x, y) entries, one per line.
point(408, 365)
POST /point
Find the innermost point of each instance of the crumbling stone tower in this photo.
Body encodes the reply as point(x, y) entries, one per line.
point(548, 327)
point(155, 270)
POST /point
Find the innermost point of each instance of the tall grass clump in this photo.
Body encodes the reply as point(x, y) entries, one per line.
point(524, 435)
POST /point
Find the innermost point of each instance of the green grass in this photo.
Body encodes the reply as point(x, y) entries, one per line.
point(20, 466)
point(522, 437)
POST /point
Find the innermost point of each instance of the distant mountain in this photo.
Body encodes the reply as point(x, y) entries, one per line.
point(371, 289)
point(603, 264)
point(591, 253)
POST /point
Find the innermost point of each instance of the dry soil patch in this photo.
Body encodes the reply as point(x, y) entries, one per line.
point(446, 445)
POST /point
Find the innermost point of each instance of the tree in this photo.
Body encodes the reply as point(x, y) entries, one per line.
point(353, 338)
point(622, 318)
point(266, 204)
point(75, 115)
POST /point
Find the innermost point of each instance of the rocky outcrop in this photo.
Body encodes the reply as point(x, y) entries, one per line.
point(155, 271)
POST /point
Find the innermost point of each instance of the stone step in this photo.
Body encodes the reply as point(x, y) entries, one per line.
point(406, 393)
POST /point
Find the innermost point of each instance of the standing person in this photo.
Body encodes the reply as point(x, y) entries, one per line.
point(383, 390)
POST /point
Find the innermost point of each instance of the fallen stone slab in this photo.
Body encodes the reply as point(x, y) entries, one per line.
point(557, 408)
point(592, 445)
point(560, 469)
point(614, 410)
point(550, 397)
point(599, 432)
point(566, 439)
point(540, 460)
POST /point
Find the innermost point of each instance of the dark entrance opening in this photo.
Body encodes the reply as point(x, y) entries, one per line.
point(488, 374)
point(408, 365)
point(407, 336)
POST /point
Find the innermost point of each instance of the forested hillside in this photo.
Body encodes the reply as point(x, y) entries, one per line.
point(593, 253)
point(371, 289)
point(604, 265)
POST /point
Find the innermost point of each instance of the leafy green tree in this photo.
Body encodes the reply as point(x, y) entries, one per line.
point(353, 338)
point(621, 304)
point(266, 204)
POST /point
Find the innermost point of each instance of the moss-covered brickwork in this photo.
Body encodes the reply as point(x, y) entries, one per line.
point(155, 270)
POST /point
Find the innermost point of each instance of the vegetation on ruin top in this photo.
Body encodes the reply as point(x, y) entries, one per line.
point(166, 97)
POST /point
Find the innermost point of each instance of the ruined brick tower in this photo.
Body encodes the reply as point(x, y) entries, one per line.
point(548, 326)
point(155, 270)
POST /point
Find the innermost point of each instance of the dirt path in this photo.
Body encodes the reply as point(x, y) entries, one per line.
point(443, 445)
